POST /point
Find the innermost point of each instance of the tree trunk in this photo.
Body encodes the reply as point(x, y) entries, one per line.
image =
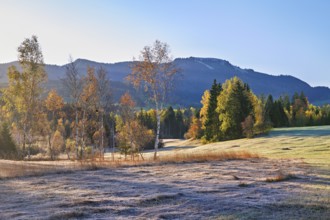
point(29, 146)
point(50, 147)
point(102, 139)
point(83, 137)
point(24, 139)
point(113, 141)
point(77, 133)
point(157, 132)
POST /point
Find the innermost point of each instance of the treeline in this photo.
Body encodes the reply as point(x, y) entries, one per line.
point(174, 122)
point(35, 121)
point(232, 111)
point(296, 112)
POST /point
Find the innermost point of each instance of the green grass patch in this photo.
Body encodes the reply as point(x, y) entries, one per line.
point(308, 144)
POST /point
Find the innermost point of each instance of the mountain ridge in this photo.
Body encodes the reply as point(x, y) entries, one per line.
point(197, 75)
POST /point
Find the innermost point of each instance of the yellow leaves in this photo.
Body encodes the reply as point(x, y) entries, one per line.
point(154, 72)
point(127, 107)
point(205, 103)
point(89, 93)
point(54, 101)
point(194, 129)
point(13, 74)
point(58, 140)
point(126, 100)
point(97, 137)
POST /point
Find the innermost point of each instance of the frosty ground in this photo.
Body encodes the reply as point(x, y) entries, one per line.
point(225, 189)
point(215, 190)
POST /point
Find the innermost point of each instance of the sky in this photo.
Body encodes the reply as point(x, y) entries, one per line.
point(274, 36)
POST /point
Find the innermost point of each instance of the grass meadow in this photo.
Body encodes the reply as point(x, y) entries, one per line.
point(282, 175)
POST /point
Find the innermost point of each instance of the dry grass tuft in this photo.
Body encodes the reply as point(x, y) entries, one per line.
point(208, 156)
point(281, 177)
point(10, 169)
point(242, 184)
point(68, 215)
point(159, 199)
point(235, 177)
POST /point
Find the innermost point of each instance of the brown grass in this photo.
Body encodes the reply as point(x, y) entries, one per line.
point(12, 169)
point(280, 177)
point(9, 169)
point(243, 184)
point(208, 156)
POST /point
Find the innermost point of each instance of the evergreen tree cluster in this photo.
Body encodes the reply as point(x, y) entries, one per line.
point(295, 112)
point(174, 122)
point(232, 111)
point(228, 106)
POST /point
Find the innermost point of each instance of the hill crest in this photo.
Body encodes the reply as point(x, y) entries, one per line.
point(198, 74)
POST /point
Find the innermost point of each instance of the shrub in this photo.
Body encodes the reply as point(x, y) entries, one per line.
point(8, 148)
point(56, 146)
point(70, 145)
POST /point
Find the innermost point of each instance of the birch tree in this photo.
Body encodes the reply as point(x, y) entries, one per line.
point(53, 103)
point(104, 102)
point(73, 85)
point(155, 73)
point(96, 101)
point(23, 94)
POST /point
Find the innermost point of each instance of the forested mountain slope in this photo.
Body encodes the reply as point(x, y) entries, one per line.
point(197, 75)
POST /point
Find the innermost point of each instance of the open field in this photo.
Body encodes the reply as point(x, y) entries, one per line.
point(290, 180)
point(308, 144)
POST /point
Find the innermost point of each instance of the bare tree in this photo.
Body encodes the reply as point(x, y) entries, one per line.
point(155, 72)
point(73, 83)
point(104, 101)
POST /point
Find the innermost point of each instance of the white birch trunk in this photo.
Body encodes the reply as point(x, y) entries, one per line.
point(77, 133)
point(157, 132)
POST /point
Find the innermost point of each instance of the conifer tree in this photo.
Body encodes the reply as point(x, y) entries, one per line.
point(234, 106)
point(7, 146)
point(212, 122)
point(169, 123)
point(180, 127)
point(269, 108)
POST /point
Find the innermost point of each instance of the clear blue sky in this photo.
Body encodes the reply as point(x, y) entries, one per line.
point(273, 36)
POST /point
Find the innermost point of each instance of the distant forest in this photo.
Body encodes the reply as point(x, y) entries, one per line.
point(232, 111)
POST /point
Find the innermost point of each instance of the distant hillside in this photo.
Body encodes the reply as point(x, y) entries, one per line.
point(197, 75)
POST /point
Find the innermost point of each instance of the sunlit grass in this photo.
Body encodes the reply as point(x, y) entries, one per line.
point(207, 156)
point(309, 144)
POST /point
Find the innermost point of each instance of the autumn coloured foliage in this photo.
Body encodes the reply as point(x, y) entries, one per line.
point(232, 110)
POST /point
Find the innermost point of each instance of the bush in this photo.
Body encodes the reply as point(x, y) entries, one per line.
point(70, 145)
point(57, 145)
point(8, 148)
point(247, 127)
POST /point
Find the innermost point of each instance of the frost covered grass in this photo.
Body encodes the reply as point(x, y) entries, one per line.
point(279, 176)
point(225, 189)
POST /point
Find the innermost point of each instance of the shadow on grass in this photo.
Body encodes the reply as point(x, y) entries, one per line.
point(300, 132)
